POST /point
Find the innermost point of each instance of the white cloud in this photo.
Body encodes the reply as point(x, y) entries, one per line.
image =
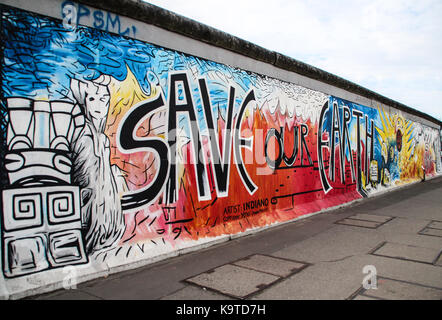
point(391, 47)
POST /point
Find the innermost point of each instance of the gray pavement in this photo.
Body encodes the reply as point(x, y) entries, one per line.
point(391, 242)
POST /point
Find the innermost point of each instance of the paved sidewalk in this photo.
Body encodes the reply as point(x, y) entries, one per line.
point(394, 239)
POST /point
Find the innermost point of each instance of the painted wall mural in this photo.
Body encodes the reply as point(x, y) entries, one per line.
point(111, 147)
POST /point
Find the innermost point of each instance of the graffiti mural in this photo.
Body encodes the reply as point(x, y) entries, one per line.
point(391, 149)
point(112, 147)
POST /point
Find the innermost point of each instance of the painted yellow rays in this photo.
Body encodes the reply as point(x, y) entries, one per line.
point(388, 136)
point(125, 94)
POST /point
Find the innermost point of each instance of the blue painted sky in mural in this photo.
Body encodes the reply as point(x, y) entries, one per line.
point(39, 63)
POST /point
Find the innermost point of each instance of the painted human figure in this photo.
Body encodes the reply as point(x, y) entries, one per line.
point(101, 184)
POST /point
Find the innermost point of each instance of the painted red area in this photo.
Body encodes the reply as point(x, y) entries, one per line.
point(283, 194)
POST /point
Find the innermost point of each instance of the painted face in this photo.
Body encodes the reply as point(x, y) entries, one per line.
point(96, 100)
point(93, 96)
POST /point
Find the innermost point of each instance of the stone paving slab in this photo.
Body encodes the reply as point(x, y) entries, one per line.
point(276, 266)
point(435, 225)
point(235, 281)
point(339, 280)
point(407, 271)
point(431, 232)
point(417, 240)
point(403, 226)
point(371, 217)
point(439, 261)
point(338, 242)
point(359, 223)
point(391, 289)
point(335, 280)
point(407, 252)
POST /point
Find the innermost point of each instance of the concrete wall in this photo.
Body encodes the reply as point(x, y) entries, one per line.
point(125, 142)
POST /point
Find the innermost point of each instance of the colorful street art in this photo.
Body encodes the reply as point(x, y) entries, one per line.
point(111, 147)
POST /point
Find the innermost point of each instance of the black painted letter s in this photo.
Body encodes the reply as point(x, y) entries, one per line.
point(128, 142)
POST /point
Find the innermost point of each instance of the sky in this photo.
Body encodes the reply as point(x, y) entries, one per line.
point(392, 47)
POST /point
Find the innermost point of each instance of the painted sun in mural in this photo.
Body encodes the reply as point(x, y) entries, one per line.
point(396, 140)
